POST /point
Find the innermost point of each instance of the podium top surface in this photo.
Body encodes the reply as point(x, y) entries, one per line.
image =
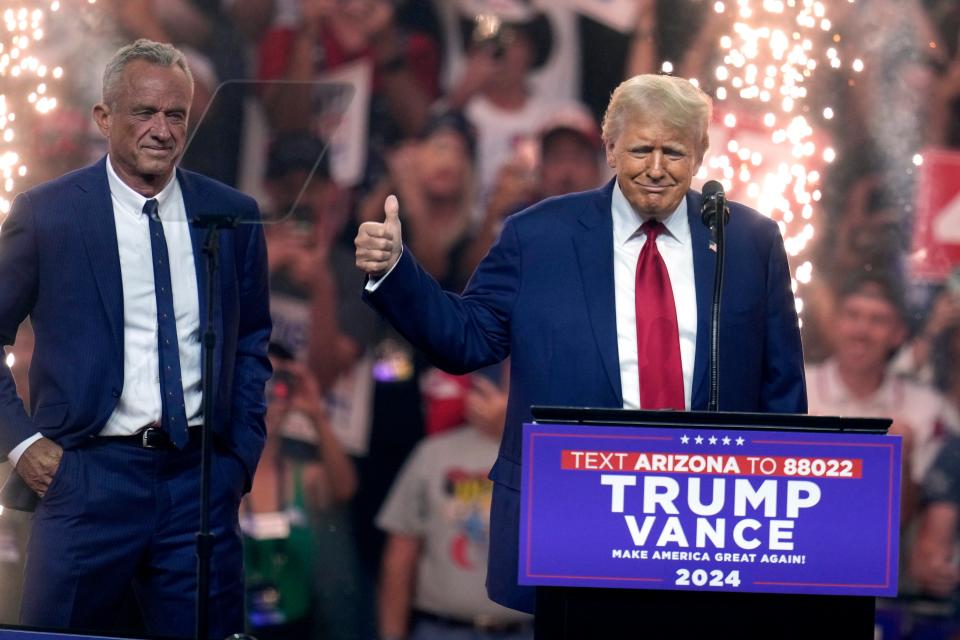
point(708, 419)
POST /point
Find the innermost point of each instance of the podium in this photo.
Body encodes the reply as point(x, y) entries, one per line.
point(663, 524)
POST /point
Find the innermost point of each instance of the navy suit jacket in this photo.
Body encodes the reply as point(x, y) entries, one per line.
point(61, 266)
point(544, 296)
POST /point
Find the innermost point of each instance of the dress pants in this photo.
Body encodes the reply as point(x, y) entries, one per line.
point(117, 515)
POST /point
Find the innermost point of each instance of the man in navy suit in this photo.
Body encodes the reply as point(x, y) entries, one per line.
point(563, 293)
point(104, 262)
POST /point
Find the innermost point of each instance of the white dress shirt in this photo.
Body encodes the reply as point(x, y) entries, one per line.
point(139, 404)
point(677, 250)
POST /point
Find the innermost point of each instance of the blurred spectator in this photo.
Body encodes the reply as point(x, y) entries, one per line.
point(334, 33)
point(868, 327)
point(935, 562)
point(468, 59)
point(304, 470)
point(921, 358)
point(570, 152)
point(306, 217)
point(309, 264)
point(508, 42)
point(565, 158)
point(865, 234)
point(437, 516)
point(435, 177)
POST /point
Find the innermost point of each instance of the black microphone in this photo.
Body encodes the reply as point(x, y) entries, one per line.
point(714, 209)
point(714, 201)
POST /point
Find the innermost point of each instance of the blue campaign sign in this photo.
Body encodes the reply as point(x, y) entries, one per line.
point(710, 509)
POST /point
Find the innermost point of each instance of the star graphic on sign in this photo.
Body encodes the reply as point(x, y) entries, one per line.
point(739, 442)
point(698, 439)
point(684, 439)
point(713, 439)
point(726, 440)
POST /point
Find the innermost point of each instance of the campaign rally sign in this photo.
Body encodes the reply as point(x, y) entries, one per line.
point(936, 233)
point(709, 509)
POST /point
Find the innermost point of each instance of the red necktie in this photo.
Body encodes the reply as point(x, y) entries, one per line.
point(658, 338)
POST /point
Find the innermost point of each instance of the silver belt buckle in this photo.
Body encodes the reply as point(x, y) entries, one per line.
point(145, 436)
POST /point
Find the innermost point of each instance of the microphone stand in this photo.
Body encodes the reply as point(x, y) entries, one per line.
point(205, 539)
point(718, 222)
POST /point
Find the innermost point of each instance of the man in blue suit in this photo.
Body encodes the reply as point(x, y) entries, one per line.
point(565, 293)
point(104, 262)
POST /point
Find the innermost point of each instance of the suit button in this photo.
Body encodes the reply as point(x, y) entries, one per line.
point(115, 393)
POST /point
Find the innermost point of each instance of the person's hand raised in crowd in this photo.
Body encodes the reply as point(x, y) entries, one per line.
point(305, 394)
point(515, 185)
point(481, 66)
point(485, 406)
point(945, 314)
point(379, 243)
point(378, 19)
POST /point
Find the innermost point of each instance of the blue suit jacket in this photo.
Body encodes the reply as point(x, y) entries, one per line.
point(61, 266)
point(544, 295)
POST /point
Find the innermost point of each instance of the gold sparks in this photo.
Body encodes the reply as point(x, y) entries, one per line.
point(770, 152)
point(28, 87)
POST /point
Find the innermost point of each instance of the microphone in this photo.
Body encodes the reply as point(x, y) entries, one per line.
point(714, 201)
point(714, 209)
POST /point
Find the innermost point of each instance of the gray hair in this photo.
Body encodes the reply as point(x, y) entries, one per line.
point(158, 53)
point(674, 101)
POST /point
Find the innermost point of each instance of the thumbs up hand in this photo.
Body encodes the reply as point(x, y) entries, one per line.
point(379, 243)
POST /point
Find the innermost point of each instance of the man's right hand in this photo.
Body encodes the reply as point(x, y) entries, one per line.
point(379, 243)
point(39, 463)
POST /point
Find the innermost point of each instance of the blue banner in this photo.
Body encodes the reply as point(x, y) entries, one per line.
point(707, 509)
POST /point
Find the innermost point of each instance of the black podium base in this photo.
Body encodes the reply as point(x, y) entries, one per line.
point(575, 614)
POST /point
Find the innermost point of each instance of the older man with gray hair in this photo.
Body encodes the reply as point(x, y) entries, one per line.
point(602, 298)
point(104, 262)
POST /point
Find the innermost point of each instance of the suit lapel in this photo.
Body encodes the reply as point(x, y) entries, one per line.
point(594, 247)
point(704, 268)
point(93, 213)
point(192, 202)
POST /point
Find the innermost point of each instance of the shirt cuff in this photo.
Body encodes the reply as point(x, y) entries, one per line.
point(374, 283)
point(14, 455)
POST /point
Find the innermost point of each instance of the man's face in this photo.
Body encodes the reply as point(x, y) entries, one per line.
point(146, 126)
point(444, 164)
point(867, 330)
point(568, 164)
point(655, 164)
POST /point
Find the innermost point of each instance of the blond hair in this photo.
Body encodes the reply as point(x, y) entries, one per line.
point(674, 101)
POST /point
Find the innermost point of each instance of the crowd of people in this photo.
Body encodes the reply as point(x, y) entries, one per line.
point(369, 513)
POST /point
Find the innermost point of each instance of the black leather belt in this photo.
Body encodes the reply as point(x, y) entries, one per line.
point(480, 623)
point(153, 438)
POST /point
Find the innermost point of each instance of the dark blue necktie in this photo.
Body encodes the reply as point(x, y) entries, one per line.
point(173, 416)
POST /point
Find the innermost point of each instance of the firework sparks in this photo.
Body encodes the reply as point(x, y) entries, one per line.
point(770, 154)
point(28, 87)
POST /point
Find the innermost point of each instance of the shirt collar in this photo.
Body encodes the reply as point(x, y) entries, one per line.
point(130, 199)
point(626, 221)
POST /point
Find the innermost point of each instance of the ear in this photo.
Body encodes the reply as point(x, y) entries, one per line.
point(611, 157)
point(101, 116)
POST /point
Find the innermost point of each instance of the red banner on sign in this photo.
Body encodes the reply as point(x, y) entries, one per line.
point(936, 234)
